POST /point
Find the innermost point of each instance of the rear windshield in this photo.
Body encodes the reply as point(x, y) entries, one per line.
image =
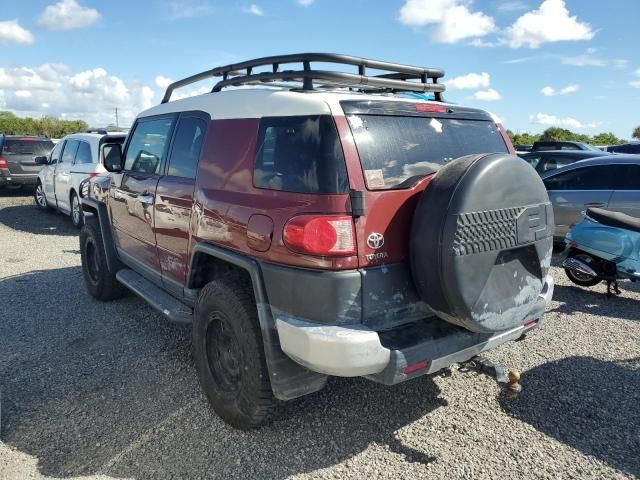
point(300, 154)
point(27, 147)
point(397, 151)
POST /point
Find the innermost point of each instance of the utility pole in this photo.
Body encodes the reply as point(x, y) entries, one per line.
point(117, 126)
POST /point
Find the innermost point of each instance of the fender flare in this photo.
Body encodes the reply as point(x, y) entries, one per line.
point(288, 379)
point(91, 205)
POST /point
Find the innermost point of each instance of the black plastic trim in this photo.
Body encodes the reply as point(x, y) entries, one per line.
point(100, 209)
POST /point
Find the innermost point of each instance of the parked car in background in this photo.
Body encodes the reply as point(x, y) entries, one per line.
point(308, 232)
point(545, 160)
point(18, 166)
point(523, 148)
point(633, 147)
point(611, 182)
point(561, 145)
point(74, 158)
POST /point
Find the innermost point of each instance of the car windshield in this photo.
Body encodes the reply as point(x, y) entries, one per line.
point(27, 146)
point(396, 151)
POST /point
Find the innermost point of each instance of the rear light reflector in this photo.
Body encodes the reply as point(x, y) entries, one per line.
point(429, 107)
point(3, 163)
point(530, 323)
point(414, 367)
point(93, 174)
point(328, 235)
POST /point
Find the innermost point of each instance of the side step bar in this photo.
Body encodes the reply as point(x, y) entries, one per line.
point(171, 308)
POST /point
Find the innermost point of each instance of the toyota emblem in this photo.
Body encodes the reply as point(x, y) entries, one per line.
point(375, 240)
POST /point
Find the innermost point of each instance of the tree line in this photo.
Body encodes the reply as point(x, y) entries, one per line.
point(11, 124)
point(560, 134)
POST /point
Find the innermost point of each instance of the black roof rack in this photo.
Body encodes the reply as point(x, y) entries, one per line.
point(101, 131)
point(400, 77)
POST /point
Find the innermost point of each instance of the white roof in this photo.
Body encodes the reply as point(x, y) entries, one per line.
point(263, 102)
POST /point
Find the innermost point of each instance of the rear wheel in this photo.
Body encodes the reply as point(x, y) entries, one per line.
point(583, 279)
point(76, 211)
point(229, 353)
point(101, 283)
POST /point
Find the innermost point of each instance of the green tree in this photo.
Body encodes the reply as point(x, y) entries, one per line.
point(10, 124)
point(636, 133)
point(606, 138)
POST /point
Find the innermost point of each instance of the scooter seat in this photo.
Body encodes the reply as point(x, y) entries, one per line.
point(614, 219)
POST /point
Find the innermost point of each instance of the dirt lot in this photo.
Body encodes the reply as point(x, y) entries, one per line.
point(109, 391)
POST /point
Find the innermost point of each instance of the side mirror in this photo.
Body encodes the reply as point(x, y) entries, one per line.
point(42, 160)
point(112, 156)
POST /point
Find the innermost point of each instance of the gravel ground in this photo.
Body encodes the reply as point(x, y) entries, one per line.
point(108, 390)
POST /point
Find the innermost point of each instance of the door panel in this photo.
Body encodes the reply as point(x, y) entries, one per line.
point(568, 206)
point(626, 201)
point(49, 172)
point(62, 176)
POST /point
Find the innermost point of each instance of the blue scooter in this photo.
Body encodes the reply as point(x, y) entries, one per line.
point(605, 246)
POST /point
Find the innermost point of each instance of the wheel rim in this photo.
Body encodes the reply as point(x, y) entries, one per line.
point(223, 355)
point(75, 210)
point(582, 277)
point(40, 198)
point(93, 266)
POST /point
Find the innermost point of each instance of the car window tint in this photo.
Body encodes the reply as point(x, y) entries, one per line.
point(300, 154)
point(532, 160)
point(187, 144)
point(27, 146)
point(83, 155)
point(55, 153)
point(626, 177)
point(597, 177)
point(70, 149)
point(146, 148)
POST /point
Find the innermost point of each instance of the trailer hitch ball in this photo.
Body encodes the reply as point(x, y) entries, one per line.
point(514, 382)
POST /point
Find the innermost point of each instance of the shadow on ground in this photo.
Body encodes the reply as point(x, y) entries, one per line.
point(594, 301)
point(90, 387)
point(604, 424)
point(30, 219)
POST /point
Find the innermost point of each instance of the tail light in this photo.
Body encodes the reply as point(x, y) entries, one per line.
point(325, 235)
point(3, 163)
point(430, 107)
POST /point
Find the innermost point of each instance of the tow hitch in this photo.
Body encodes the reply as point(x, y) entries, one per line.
point(510, 380)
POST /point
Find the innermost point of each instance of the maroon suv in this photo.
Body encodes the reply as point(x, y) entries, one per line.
point(335, 224)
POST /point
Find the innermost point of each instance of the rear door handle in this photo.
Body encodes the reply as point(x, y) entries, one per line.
point(145, 198)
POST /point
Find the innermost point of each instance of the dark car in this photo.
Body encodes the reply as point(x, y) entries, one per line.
point(17, 159)
point(543, 161)
point(562, 145)
point(306, 231)
point(633, 147)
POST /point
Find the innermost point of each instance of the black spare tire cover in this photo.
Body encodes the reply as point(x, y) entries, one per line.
point(481, 242)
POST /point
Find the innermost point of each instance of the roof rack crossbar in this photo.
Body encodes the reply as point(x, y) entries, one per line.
point(400, 77)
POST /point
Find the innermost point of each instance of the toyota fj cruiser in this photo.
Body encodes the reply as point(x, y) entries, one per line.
point(326, 223)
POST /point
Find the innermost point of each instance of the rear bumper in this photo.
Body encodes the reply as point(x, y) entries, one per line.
point(425, 346)
point(7, 178)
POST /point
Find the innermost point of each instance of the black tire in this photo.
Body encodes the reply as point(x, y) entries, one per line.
point(77, 217)
point(229, 353)
point(100, 282)
point(40, 198)
point(584, 281)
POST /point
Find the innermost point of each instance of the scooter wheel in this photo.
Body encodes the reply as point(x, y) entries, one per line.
point(582, 279)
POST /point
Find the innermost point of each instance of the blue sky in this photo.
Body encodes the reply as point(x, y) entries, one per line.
point(570, 63)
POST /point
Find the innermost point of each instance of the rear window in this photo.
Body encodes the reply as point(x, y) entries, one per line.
point(27, 147)
point(397, 151)
point(300, 154)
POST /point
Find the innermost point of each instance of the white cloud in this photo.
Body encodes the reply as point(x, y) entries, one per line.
point(585, 60)
point(552, 120)
point(162, 82)
point(189, 8)
point(489, 95)
point(304, 3)
point(90, 95)
point(67, 15)
point(471, 81)
point(550, 91)
point(551, 22)
point(512, 6)
point(635, 83)
point(452, 19)
point(12, 32)
point(254, 9)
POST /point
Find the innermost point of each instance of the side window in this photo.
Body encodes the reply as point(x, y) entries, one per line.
point(84, 154)
point(626, 177)
point(533, 160)
point(55, 153)
point(187, 143)
point(147, 145)
point(597, 177)
point(300, 154)
point(70, 150)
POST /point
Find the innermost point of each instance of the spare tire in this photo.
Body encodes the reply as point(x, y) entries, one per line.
point(481, 242)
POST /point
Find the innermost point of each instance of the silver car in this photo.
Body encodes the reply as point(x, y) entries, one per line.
point(611, 182)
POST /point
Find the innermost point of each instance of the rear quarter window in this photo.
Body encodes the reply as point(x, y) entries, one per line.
point(300, 154)
point(27, 147)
